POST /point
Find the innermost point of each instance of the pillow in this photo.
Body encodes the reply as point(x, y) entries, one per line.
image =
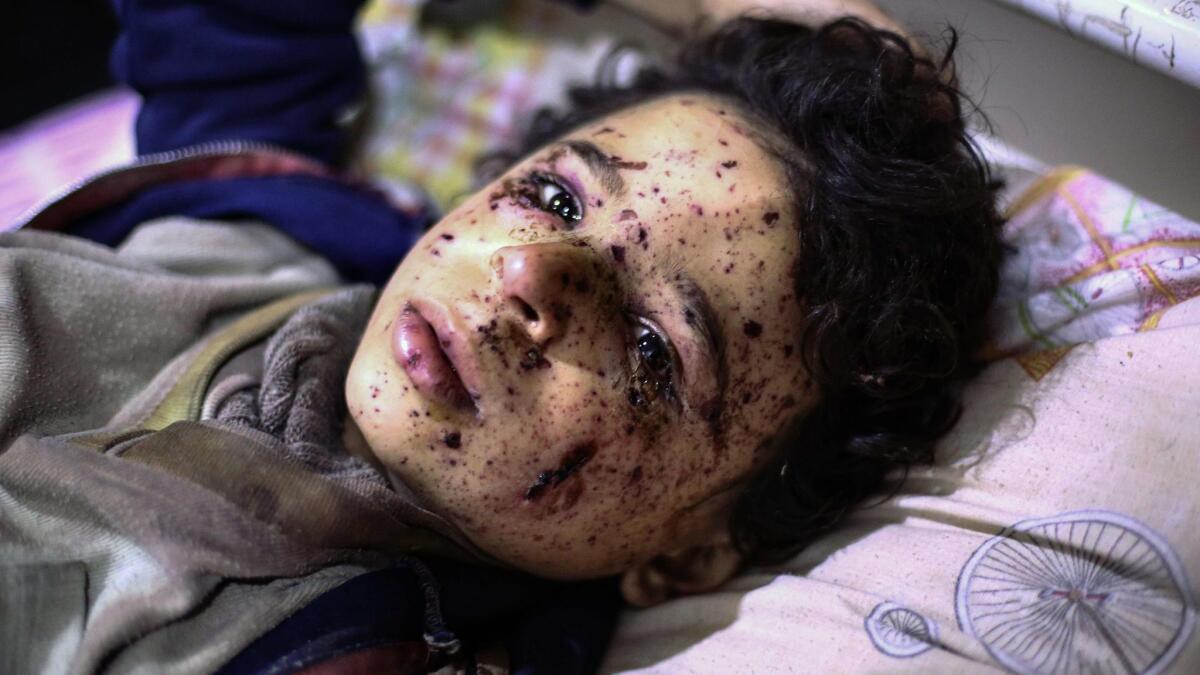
point(1092, 260)
point(1055, 532)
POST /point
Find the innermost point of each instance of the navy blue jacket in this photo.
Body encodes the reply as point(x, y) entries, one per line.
point(279, 73)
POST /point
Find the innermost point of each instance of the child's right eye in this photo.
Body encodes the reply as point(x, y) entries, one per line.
point(552, 197)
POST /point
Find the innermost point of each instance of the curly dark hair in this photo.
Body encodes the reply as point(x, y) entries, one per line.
point(899, 248)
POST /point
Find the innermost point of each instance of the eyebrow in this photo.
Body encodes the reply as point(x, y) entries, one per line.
point(602, 166)
point(700, 318)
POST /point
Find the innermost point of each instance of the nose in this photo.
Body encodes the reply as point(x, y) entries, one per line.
point(543, 283)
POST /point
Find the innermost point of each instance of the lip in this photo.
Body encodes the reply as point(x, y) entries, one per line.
point(435, 355)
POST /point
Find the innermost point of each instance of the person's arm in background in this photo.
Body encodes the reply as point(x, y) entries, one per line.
point(241, 80)
point(281, 72)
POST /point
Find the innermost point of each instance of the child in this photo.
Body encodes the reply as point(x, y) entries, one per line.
point(701, 319)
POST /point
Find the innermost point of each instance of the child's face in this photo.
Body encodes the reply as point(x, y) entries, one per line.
point(581, 363)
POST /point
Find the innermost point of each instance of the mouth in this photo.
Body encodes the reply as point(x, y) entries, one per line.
point(431, 351)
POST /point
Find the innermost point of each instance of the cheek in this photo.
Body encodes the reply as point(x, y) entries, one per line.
point(621, 475)
point(373, 389)
point(584, 456)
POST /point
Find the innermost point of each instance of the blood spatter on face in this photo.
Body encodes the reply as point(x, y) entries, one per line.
point(635, 476)
point(520, 190)
point(447, 236)
point(572, 461)
point(582, 395)
point(681, 157)
point(532, 358)
point(752, 328)
point(561, 312)
point(770, 217)
point(697, 209)
point(452, 439)
point(729, 164)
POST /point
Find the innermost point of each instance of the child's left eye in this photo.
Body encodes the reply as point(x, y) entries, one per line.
point(554, 198)
point(653, 350)
point(654, 370)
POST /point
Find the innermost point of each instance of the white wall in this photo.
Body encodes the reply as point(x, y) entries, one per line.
point(1067, 101)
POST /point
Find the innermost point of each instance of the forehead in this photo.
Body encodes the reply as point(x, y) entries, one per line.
point(702, 193)
point(699, 188)
point(683, 130)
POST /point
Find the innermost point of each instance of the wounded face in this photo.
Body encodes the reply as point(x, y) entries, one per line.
point(583, 362)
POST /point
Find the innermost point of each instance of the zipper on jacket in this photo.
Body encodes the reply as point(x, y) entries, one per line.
point(208, 149)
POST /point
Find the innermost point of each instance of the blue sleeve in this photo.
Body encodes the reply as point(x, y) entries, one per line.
point(274, 71)
point(357, 231)
point(279, 72)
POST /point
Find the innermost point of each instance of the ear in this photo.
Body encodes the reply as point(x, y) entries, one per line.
point(696, 569)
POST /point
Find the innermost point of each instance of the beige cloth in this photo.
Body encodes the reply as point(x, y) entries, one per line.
point(1056, 534)
point(123, 316)
point(170, 549)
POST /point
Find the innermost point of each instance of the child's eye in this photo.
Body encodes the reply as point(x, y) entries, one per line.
point(654, 372)
point(554, 198)
point(653, 350)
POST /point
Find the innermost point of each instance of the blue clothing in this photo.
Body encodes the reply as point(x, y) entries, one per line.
point(359, 232)
point(546, 627)
point(278, 73)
